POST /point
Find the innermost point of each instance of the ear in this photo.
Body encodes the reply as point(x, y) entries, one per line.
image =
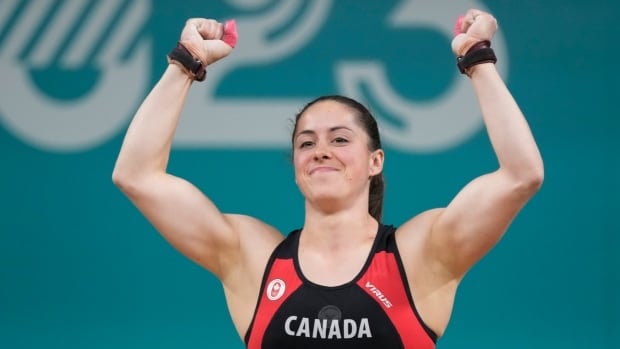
point(376, 162)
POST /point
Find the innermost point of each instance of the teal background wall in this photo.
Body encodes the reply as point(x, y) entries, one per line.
point(81, 268)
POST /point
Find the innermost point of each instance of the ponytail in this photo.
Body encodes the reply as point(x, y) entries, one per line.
point(375, 197)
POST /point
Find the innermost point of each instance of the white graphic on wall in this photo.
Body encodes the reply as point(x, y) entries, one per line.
point(425, 127)
point(81, 123)
point(252, 122)
point(212, 122)
point(209, 121)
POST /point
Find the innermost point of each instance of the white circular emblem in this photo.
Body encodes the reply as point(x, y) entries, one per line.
point(275, 289)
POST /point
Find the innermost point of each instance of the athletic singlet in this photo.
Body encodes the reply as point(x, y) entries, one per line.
point(374, 310)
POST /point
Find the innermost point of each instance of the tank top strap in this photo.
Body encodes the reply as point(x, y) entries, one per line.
point(386, 240)
point(288, 247)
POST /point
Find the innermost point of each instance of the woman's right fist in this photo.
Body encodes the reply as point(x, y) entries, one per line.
point(209, 40)
point(472, 28)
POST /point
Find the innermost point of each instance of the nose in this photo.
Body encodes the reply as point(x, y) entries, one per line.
point(321, 152)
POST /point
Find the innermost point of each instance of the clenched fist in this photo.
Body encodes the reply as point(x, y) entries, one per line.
point(208, 39)
point(473, 27)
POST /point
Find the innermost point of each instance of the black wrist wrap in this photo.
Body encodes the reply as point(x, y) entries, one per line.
point(195, 68)
point(477, 54)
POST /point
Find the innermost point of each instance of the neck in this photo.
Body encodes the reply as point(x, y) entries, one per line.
point(338, 230)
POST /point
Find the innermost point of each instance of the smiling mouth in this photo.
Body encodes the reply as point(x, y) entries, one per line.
point(322, 170)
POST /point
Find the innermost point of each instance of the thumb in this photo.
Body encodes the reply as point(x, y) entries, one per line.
point(457, 44)
point(216, 40)
point(462, 43)
point(216, 50)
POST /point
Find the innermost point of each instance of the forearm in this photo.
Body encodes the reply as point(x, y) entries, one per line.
point(508, 130)
point(148, 140)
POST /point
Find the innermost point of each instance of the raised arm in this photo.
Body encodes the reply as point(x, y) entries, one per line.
point(481, 212)
point(176, 208)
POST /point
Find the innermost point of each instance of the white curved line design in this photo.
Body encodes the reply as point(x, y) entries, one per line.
point(428, 127)
point(211, 121)
point(214, 122)
point(79, 124)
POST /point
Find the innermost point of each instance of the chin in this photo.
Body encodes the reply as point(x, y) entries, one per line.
point(327, 195)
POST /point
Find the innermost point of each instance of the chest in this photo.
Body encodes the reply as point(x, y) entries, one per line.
point(374, 310)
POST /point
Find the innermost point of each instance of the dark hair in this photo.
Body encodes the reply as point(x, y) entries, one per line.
point(369, 124)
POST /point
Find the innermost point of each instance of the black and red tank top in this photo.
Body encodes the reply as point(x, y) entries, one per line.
point(374, 310)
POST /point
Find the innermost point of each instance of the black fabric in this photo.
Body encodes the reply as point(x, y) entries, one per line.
point(193, 65)
point(319, 307)
point(477, 54)
point(305, 317)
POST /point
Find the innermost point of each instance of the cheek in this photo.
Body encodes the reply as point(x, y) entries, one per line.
point(356, 160)
point(296, 159)
point(298, 162)
point(355, 166)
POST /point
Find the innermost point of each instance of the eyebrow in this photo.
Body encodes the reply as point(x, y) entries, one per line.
point(312, 132)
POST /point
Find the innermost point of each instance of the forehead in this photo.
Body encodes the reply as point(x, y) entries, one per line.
point(327, 114)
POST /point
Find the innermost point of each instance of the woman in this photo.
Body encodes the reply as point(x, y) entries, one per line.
point(344, 280)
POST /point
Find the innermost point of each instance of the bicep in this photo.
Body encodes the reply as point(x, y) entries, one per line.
point(186, 218)
point(476, 219)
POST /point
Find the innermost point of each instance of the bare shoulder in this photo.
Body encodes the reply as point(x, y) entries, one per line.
point(254, 232)
point(417, 229)
point(257, 240)
point(432, 288)
point(244, 273)
point(413, 239)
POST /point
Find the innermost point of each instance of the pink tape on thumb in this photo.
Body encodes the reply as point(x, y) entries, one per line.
point(458, 25)
point(230, 33)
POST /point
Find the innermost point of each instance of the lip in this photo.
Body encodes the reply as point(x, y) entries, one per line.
point(322, 169)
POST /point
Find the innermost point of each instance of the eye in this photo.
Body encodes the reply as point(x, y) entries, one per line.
point(305, 144)
point(340, 140)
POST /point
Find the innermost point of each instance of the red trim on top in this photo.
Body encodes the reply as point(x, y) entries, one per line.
point(384, 275)
point(284, 270)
